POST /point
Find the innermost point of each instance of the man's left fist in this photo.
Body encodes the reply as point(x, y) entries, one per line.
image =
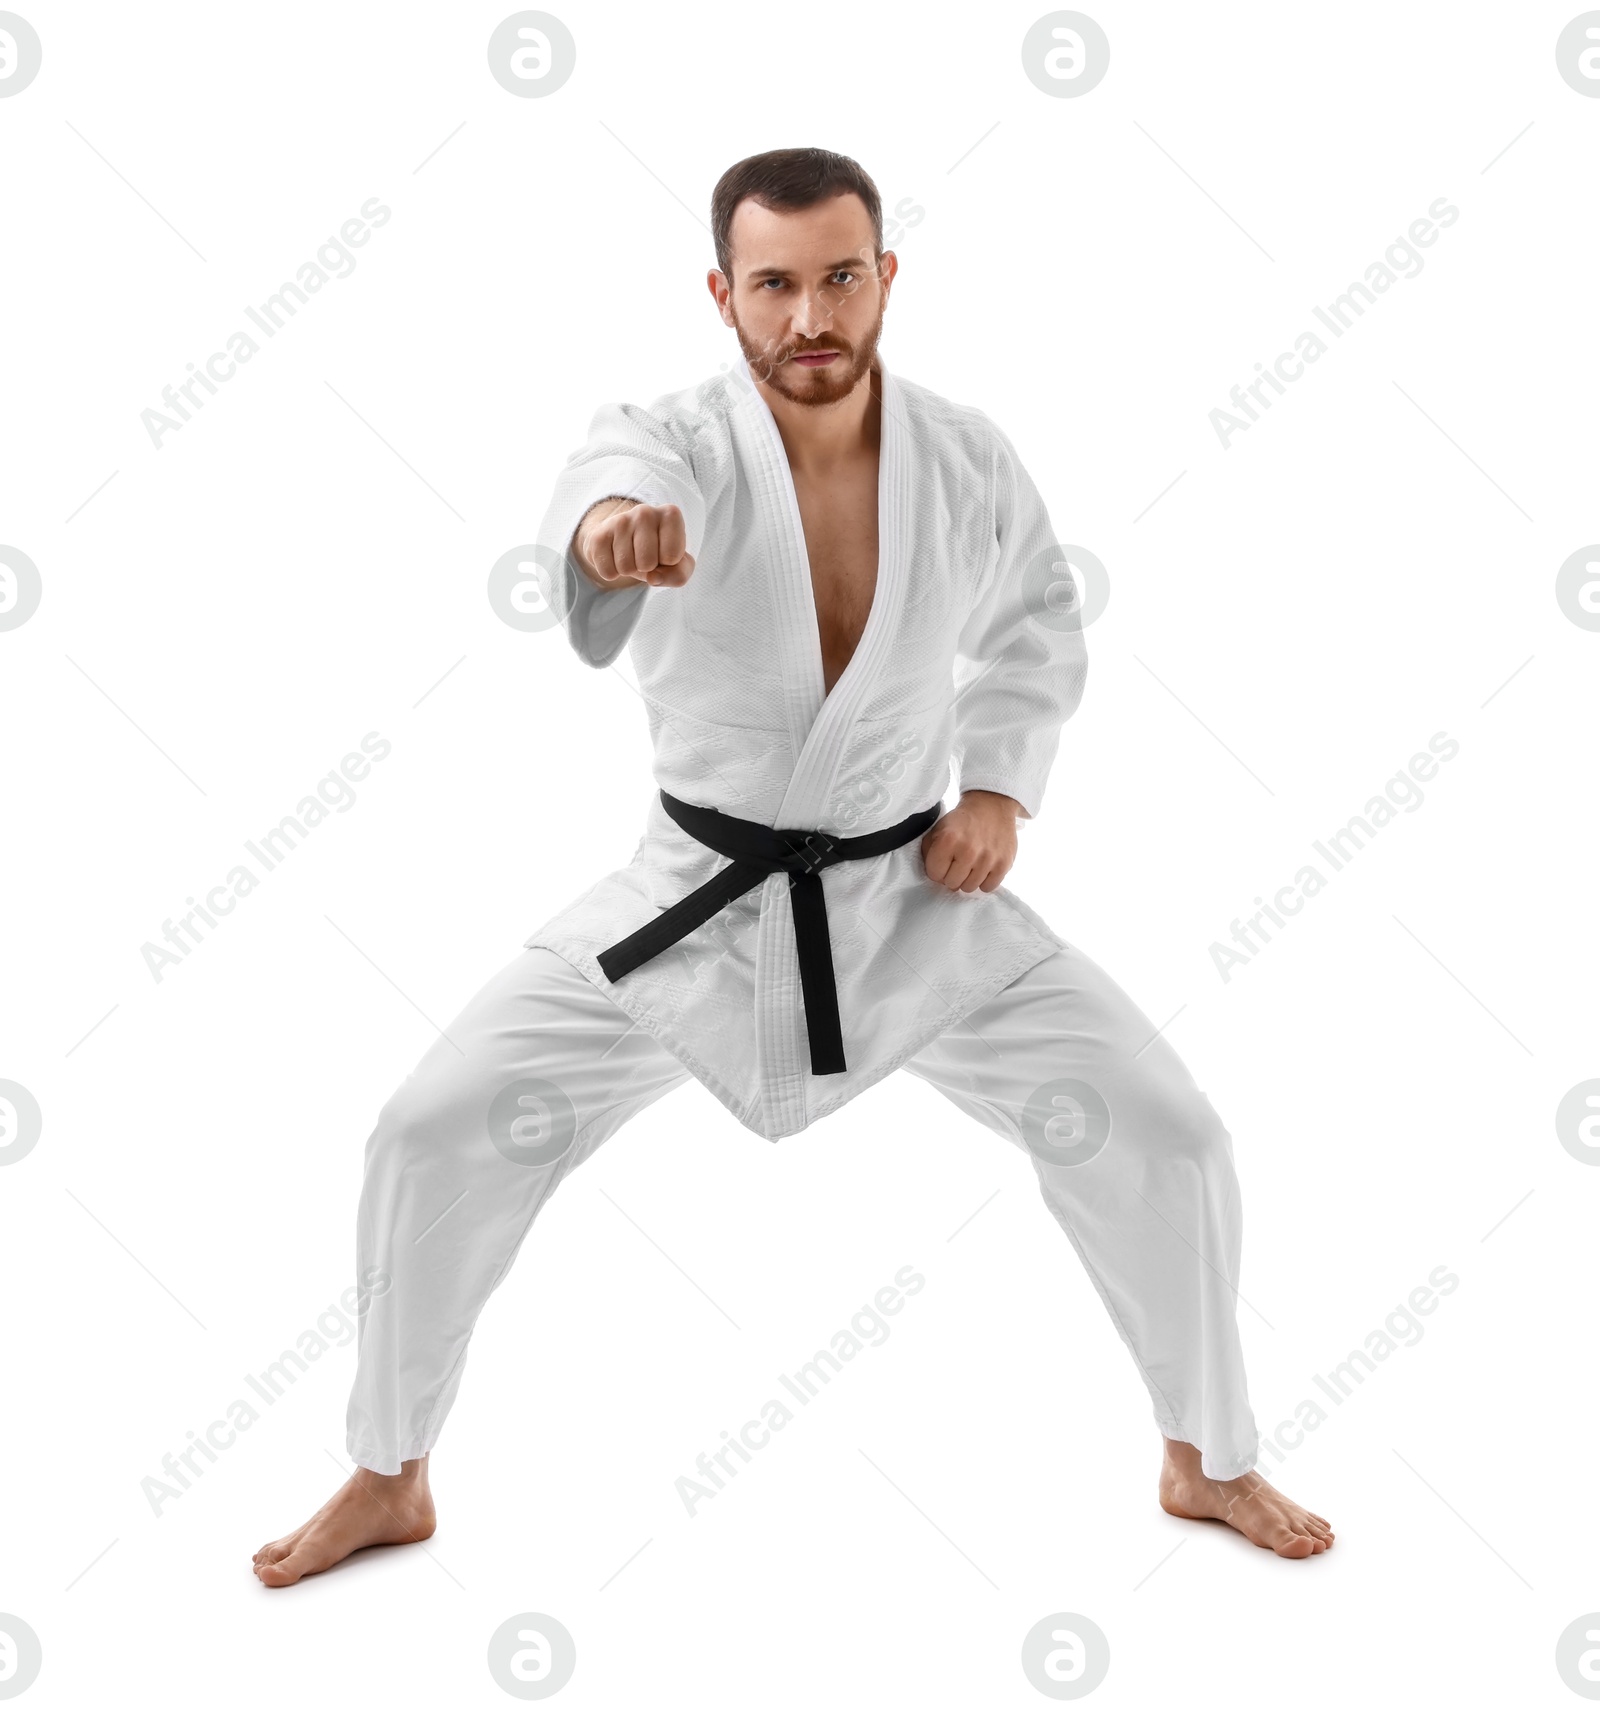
point(972, 848)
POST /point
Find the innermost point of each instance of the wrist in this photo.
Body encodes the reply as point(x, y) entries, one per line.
point(996, 799)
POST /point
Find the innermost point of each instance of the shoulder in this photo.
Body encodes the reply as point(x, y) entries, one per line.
point(685, 416)
point(682, 422)
point(961, 424)
point(962, 435)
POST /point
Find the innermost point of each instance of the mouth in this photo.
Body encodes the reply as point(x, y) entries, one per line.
point(814, 359)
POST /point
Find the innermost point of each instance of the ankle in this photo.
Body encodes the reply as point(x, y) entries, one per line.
point(1182, 1459)
point(412, 1481)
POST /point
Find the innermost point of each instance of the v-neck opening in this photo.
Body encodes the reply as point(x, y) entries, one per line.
point(797, 525)
point(821, 722)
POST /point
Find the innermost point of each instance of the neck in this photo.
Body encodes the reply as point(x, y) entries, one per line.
point(816, 437)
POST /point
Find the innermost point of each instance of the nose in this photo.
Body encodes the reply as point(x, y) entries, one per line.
point(813, 316)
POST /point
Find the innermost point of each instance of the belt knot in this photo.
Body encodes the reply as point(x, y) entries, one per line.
point(814, 852)
point(755, 851)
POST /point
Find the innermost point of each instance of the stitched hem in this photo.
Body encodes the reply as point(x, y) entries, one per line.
point(1030, 957)
point(751, 1114)
point(1214, 1468)
point(379, 1462)
point(588, 966)
point(1227, 1468)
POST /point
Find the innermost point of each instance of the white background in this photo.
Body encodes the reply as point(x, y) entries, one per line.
point(228, 615)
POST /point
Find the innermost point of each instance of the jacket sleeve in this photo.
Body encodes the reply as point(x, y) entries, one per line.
point(631, 454)
point(1020, 658)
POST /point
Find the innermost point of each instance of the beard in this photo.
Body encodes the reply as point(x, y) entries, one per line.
point(805, 386)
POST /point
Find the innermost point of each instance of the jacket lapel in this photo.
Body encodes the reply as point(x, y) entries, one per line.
point(820, 724)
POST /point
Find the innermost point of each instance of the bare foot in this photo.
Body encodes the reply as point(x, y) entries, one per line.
point(369, 1510)
point(1252, 1506)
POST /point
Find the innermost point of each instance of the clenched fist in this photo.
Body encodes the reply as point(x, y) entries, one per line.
point(621, 543)
point(972, 848)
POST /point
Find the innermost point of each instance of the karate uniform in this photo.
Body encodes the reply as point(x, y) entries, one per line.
point(970, 656)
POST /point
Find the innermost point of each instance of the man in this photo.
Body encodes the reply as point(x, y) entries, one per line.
point(832, 582)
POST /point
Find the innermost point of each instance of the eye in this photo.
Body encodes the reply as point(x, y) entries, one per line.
point(846, 272)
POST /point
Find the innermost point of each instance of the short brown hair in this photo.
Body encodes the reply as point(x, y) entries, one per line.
point(787, 179)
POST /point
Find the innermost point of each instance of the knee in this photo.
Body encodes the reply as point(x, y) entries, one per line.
point(460, 1121)
point(418, 1122)
point(1183, 1129)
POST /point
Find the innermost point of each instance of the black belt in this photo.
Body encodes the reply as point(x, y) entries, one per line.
point(758, 851)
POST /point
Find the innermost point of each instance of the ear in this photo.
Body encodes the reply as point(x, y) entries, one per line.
point(717, 285)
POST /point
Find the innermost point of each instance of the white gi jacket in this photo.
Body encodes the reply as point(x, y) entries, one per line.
point(969, 655)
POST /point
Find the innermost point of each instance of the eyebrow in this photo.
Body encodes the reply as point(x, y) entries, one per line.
point(831, 268)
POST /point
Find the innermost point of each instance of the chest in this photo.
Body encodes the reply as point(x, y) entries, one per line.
point(839, 514)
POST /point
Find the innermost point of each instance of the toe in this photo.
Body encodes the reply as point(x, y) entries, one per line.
point(1295, 1546)
point(282, 1572)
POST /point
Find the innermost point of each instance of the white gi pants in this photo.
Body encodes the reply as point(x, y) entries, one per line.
point(1131, 1159)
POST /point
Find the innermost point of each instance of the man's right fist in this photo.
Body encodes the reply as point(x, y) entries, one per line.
point(634, 544)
